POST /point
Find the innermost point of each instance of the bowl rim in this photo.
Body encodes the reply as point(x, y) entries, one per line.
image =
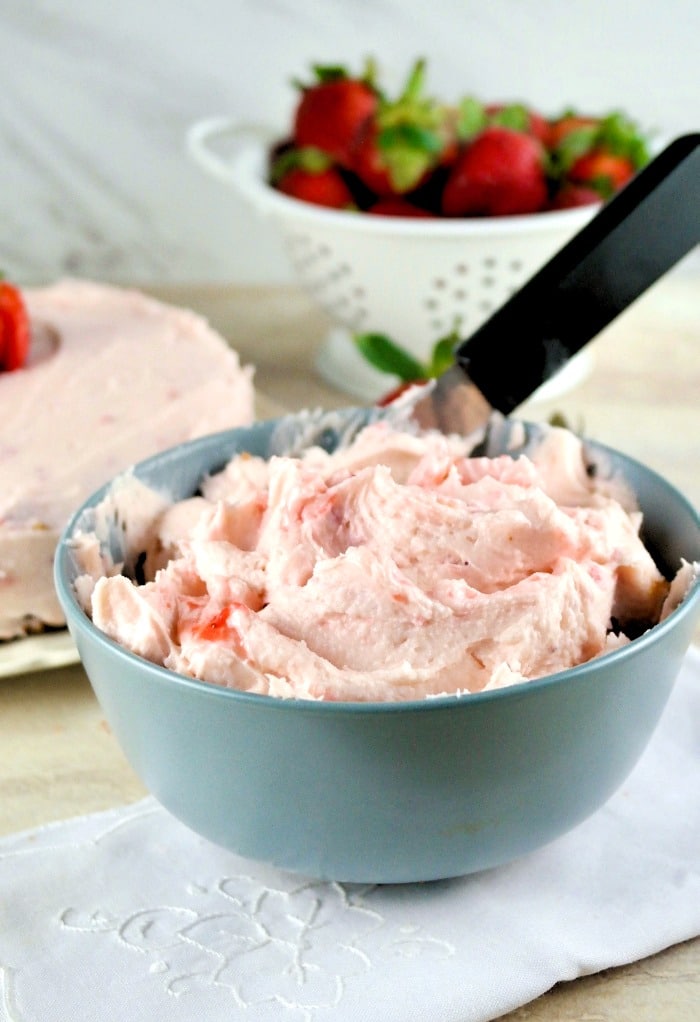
point(78, 620)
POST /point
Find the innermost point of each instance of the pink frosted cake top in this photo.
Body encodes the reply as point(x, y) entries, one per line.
point(113, 377)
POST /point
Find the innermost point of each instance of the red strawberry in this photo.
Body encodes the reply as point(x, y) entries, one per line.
point(369, 164)
point(322, 188)
point(572, 195)
point(603, 171)
point(309, 175)
point(398, 147)
point(14, 328)
point(538, 126)
point(332, 110)
point(397, 206)
point(395, 393)
point(601, 153)
point(500, 173)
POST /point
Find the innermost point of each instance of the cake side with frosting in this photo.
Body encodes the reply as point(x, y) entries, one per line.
point(113, 376)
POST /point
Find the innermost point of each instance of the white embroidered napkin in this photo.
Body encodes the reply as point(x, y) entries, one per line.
point(128, 915)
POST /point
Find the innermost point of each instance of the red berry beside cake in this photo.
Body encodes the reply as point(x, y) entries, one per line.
point(111, 377)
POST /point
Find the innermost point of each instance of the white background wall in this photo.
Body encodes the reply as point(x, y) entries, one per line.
point(95, 98)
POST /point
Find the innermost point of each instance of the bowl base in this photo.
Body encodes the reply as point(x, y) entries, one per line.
point(339, 363)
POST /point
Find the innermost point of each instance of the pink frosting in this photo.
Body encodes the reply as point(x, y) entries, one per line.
point(113, 377)
point(397, 568)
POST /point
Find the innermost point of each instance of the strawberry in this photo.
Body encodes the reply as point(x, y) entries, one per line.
point(416, 156)
point(389, 357)
point(322, 188)
point(388, 398)
point(397, 206)
point(332, 110)
point(369, 164)
point(571, 195)
point(309, 175)
point(586, 143)
point(617, 151)
point(398, 147)
point(15, 331)
point(499, 173)
point(602, 171)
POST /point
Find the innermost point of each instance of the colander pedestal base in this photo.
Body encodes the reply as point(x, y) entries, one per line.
point(339, 363)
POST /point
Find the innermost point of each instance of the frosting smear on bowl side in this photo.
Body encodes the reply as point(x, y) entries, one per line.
point(396, 568)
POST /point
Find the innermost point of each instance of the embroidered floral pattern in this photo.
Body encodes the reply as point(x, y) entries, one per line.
point(290, 948)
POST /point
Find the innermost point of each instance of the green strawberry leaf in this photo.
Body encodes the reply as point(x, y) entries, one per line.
point(471, 118)
point(615, 133)
point(573, 145)
point(330, 72)
point(622, 136)
point(409, 136)
point(514, 116)
point(407, 152)
point(324, 73)
point(413, 89)
point(387, 356)
point(443, 355)
point(308, 158)
point(603, 184)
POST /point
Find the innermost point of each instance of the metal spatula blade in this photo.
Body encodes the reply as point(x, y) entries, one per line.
point(635, 238)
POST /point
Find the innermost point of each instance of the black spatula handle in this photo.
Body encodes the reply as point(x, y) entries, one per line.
point(635, 238)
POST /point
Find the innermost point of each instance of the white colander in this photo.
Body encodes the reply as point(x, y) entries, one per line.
point(413, 279)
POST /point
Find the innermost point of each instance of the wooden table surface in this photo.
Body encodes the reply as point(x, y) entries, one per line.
point(59, 758)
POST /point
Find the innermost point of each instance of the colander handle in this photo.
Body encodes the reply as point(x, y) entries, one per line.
point(636, 237)
point(242, 137)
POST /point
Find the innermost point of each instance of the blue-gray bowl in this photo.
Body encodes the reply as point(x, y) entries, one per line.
point(390, 792)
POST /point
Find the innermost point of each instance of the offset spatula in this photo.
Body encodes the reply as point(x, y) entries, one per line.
point(636, 237)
